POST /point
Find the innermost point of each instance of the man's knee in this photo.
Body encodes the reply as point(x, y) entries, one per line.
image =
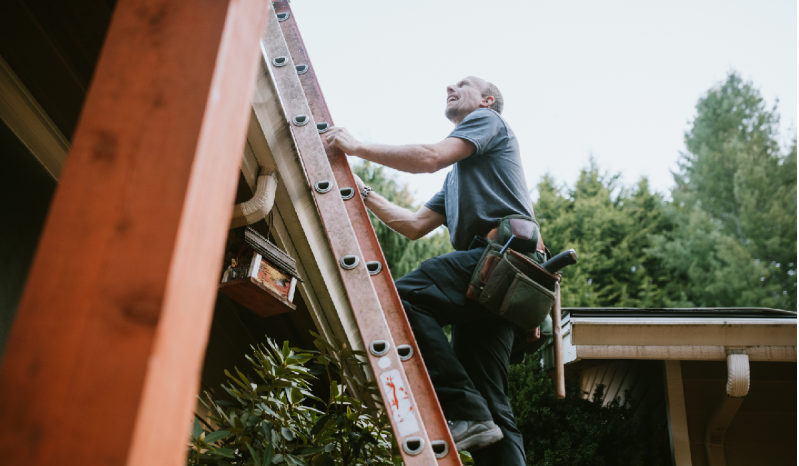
point(412, 281)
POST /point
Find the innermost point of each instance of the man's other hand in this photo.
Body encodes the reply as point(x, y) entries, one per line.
point(341, 139)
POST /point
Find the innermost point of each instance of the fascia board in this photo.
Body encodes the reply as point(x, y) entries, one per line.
point(682, 332)
point(683, 353)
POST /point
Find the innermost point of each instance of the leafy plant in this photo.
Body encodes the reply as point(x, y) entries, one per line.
point(278, 420)
point(576, 431)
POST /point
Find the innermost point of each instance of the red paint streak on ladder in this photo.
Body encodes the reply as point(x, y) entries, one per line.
point(394, 394)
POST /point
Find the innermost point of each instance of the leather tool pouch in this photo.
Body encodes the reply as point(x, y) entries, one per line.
point(513, 286)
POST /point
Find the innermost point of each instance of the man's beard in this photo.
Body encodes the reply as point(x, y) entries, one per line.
point(450, 112)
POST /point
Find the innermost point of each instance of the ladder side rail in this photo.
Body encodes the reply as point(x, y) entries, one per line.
point(395, 389)
point(421, 385)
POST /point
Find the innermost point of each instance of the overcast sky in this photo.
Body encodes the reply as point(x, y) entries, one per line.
point(616, 79)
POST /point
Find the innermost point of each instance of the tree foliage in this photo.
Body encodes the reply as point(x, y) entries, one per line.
point(610, 227)
point(727, 237)
point(734, 205)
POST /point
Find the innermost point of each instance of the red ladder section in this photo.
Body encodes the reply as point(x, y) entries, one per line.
point(416, 416)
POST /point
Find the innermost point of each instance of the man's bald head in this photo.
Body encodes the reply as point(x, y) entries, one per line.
point(489, 89)
point(468, 95)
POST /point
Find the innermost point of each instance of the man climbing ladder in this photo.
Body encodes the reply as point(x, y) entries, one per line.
point(486, 184)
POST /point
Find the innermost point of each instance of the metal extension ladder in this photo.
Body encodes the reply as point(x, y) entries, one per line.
point(416, 417)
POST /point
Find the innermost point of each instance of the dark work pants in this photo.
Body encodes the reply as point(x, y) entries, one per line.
point(470, 376)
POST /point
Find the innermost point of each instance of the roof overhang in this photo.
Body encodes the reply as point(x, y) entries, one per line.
point(676, 334)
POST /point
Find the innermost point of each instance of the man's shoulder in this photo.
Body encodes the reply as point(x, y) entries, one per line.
point(482, 120)
point(484, 113)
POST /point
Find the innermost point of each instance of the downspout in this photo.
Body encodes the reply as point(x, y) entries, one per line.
point(261, 203)
point(737, 389)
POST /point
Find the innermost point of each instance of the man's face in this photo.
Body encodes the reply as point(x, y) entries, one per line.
point(465, 97)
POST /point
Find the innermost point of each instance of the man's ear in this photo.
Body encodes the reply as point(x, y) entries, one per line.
point(487, 101)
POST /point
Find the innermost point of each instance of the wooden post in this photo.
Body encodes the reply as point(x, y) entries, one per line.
point(557, 347)
point(675, 413)
point(104, 358)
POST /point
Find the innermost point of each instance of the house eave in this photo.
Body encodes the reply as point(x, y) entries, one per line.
point(771, 337)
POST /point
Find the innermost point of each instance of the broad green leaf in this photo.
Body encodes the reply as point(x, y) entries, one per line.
point(254, 454)
point(287, 434)
point(320, 424)
point(286, 350)
point(294, 461)
point(269, 453)
point(214, 436)
point(226, 452)
point(197, 429)
point(307, 451)
point(296, 396)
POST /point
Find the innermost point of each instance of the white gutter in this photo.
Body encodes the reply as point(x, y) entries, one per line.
point(737, 389)
point(261, 203)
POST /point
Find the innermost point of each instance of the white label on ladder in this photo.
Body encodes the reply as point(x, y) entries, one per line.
point(399, 402)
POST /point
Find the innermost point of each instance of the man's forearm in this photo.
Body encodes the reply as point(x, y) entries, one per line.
point(395, 217)
point(412, 158)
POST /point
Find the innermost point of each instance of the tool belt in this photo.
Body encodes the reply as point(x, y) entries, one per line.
point(508, 281)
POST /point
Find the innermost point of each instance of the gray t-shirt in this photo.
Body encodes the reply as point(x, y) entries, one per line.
point(486, 186)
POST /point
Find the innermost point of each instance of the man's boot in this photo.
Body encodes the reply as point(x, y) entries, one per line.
point(474, 435)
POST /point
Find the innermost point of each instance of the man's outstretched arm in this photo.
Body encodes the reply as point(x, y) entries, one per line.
point(409, 224)
point(412, 158)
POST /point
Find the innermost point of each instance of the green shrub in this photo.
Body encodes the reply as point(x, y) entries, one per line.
point(575, 431)
point(278, 420)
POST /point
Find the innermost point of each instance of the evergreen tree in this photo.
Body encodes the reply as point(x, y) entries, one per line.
point(734, 205)
point(610, 227)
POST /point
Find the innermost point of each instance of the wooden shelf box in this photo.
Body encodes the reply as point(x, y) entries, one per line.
point(265, 284)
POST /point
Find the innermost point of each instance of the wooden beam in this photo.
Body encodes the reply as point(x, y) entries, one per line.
point(557, 345)
point(104, 358)
point(26, 118)
point(675, 411)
